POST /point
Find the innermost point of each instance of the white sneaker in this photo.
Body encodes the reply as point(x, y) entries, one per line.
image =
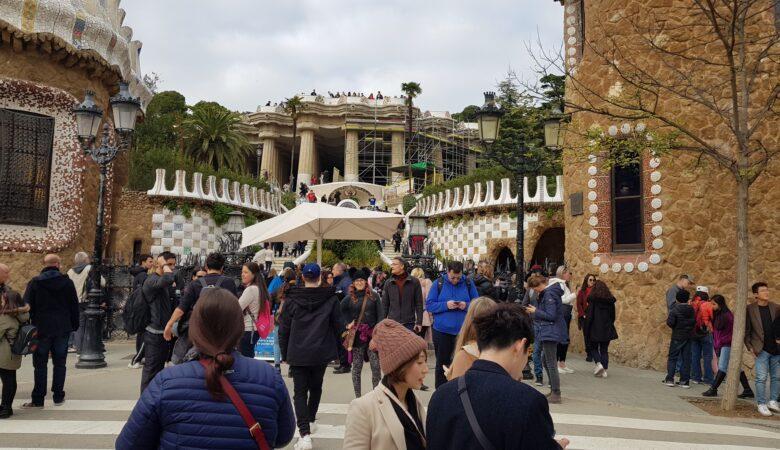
point(598, 370)
point(304, 443)
point(774, 406)
point(604, 374)
point(134, 366)
point(567, 370)
point(764, 411)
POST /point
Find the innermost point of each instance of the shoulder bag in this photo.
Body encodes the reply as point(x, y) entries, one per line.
point(463, 393)
point(254, 426)
point(349, 337)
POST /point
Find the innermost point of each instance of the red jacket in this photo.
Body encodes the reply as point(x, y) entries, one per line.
point(703, 311)
point(582, 301)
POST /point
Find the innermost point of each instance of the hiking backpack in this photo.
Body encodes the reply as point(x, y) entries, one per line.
point(137, 313)
point(26, 340)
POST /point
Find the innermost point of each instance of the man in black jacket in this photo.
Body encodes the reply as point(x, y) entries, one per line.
point(140, 273)
point(310, 329)
point(402, 297)
point(682, 320)
point(54, 309)
point(507, 413)
point(158, 293)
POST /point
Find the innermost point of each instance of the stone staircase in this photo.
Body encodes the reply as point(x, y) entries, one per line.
point(279, 261)
point(389, 250)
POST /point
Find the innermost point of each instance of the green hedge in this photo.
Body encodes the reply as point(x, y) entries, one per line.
point(480, 175)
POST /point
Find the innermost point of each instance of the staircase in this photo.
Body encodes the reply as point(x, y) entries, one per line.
point(279, 261)
point(389, 250)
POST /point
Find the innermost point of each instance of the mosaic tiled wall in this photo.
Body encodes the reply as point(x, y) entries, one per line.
point(469, 238)
point(171, 231)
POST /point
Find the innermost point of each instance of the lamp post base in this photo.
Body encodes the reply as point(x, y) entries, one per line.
point(91, 356)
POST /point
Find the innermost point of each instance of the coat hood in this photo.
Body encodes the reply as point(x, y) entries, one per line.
point(311, 298)
point(135, 270)
point(52, 279)
point(80, 268)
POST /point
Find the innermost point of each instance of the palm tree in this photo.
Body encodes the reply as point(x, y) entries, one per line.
point(211, 136)
point(412, 89)
point(293, 106)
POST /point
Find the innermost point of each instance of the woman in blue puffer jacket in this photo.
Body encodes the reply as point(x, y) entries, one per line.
point(185, 405)
point(550, 328)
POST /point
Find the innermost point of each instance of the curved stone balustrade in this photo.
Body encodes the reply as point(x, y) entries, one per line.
point(455, 201)
point(233, 194)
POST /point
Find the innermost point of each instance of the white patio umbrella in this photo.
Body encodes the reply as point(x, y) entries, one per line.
point(322, 221)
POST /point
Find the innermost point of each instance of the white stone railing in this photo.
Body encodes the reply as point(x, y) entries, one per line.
point(451, 201)
point(232, 194)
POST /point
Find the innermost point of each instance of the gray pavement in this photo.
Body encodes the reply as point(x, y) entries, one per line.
point(630, 409)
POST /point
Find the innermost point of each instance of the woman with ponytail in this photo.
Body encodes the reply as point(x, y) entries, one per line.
point(186, 406)
point(254, 301)
point(351, 305)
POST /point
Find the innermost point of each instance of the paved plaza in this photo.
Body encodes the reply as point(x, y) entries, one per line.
point(629, 410)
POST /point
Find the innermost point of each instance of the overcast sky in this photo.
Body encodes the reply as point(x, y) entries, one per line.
point(242, 53)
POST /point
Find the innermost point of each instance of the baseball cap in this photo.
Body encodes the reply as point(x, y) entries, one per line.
point(311, 270)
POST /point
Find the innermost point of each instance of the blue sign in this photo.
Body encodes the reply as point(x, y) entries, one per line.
point(264, 348)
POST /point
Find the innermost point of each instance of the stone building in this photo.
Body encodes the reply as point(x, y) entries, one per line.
point(639, 226)
point(356, 140)
point(50, 53)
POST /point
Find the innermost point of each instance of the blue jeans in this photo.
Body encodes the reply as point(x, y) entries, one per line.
point(701, 348)
point(58, 346)
point(723, 359)
point(277, 351)
point(767, 367)
point(537, 359)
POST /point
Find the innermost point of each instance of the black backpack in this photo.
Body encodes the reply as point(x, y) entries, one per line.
point(182, 326)
point(26, 340)
point(137, 313)
point(440, 284)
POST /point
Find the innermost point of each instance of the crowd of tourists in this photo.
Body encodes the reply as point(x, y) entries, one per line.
point(483, 339)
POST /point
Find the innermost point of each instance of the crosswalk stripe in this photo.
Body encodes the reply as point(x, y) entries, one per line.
point(61, 427)
point(605, 443)
point(87, 405)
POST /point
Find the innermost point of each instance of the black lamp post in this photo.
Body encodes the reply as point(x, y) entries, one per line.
point(88, 116)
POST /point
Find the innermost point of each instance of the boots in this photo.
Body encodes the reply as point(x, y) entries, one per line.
point(746, 391)
point(713, 390)
point(6, 411)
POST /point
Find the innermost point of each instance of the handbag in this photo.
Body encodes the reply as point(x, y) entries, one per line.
point(254, 426)
point(349, 338)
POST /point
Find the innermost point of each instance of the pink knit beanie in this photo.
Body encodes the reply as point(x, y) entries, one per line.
point(395, 344)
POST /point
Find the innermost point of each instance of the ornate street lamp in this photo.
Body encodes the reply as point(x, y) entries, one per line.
point(554, 130)
point(88, 115)
point(489, 119)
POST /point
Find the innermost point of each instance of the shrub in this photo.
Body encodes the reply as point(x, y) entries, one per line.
point(409, 202)
point(288, 199)
point(220, 213)
point(328, 257)
point(363, 254)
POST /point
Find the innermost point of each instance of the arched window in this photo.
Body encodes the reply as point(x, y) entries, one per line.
point(26, 141)
point(626, 196)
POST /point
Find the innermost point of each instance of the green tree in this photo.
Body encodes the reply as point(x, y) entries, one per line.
point(159, 128)
point(293, 106)
point(211, 136)
point(469, 114)
point(411, 89)
point(553, 90)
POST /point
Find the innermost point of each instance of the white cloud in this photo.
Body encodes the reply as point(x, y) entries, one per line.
point(242, 53)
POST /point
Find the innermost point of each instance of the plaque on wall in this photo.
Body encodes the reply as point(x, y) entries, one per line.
point(575, 204)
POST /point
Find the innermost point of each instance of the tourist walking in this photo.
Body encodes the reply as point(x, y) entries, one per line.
point(54, 310)
point(391, 416)
point(582, 309)
point(551, 326)
point(215, 264)
point(702, 340)
point(762, 341)
point(448, 301)
point(397, 241)
point(488, 407)
point(185, 406)
point(309, 332)
point(268, 257)
point(361, 310)
point(402, 298)
point(254, 301)
point(483, 280)
point(140, 273)
point(159, 294)
point(682, 320)
point(342, 282)
point(13, 313)
point(79, 275)
point(562, 278)
point(466, 351)
point(600, 326)
point(722, 327)
point(425, 289)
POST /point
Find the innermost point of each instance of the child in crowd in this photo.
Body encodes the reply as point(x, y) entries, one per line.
point(682, 320)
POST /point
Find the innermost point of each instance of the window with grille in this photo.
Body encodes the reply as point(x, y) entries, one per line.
point(25, 166)
point(626, 196)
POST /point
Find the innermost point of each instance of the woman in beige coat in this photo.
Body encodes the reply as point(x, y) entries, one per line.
point(13, 312)
point(391, 416)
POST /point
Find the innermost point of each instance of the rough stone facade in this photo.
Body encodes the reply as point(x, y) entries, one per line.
point(688, 206)
point(132, 221)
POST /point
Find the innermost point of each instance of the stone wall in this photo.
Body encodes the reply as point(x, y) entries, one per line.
point(132, 221)
point(689, 205)
point(35, 76)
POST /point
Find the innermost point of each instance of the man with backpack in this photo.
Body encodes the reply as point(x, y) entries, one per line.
point(139, 273)
point(448, 301)
point(215, 264)
point(54, 310)
point(158, 294)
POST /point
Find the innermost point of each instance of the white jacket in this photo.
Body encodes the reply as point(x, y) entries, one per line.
point(568, 297)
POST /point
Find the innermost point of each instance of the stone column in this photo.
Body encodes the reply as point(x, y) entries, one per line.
point(306, 160)
point(438, 161)
point(398, 155)
point(351, 156)
point(471, 163)
point(270, 160)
